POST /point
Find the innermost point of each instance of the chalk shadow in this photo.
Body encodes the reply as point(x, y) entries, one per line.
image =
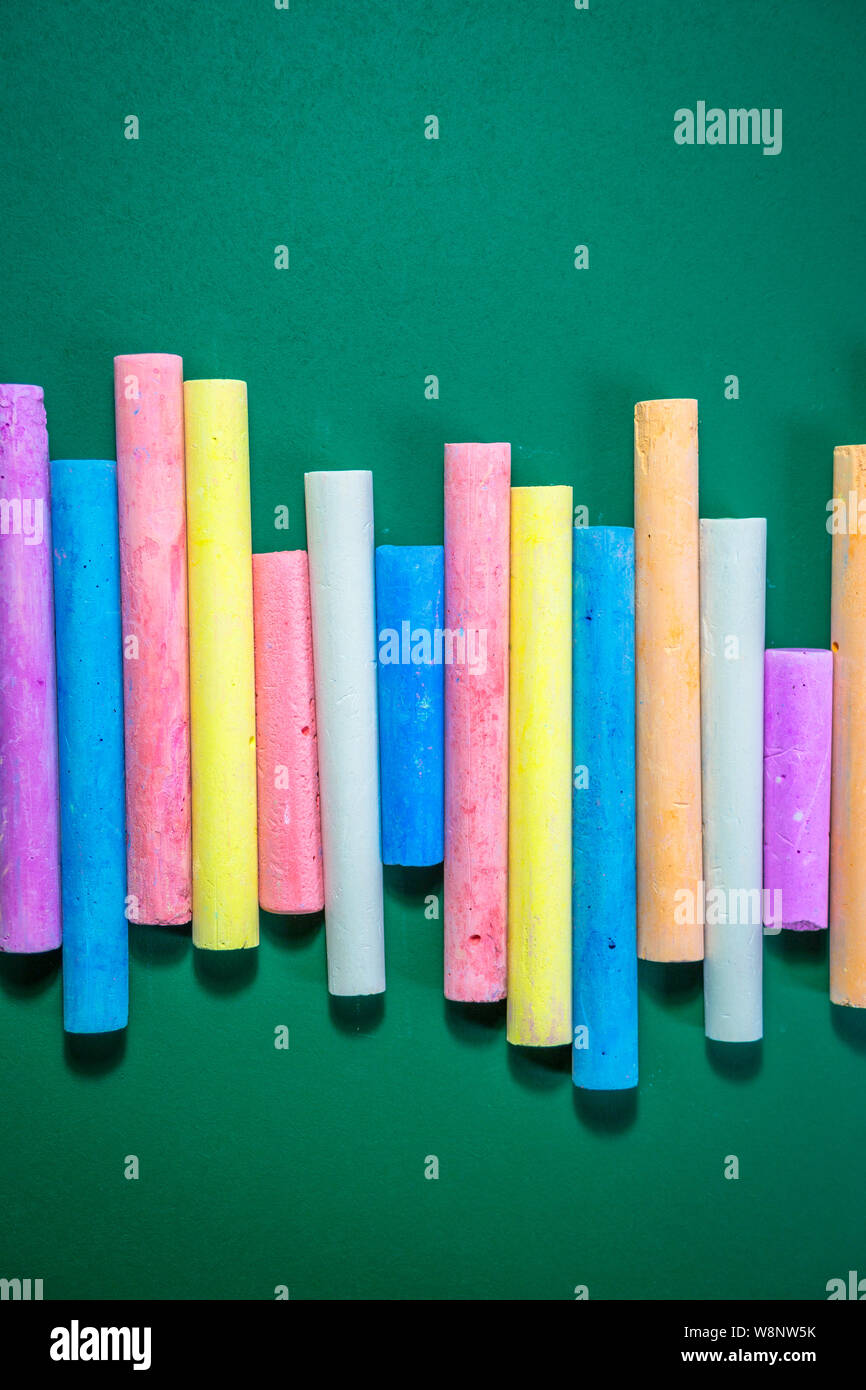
point(412, 884)
point(475, 1024)
point(28, 976)
point(357, 1013)
point(849, 1025)
point(539, 1068)
point(159, 945)
point(736, 1061)
point(94, 1054)
point(290, 931)
point(677, 982)
point(606, 1112)
point(226, 972)
point(801, 950)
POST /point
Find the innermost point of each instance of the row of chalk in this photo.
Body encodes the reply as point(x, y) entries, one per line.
point(291, 720)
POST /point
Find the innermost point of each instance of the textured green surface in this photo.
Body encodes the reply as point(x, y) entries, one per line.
point(409, 257)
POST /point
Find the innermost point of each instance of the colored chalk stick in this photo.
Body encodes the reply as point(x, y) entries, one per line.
point(605, 1056)
point(410, 582)
point(225, 911)
point(848, 775)
point(30, 919)
point(798, 715)
point(287, 763)
point(477, 544)
point(152, 510)
point(90, 727)
point(343, 602)
point(539, 830)
point(667, 667)
point(733, 589)
point(148, 407)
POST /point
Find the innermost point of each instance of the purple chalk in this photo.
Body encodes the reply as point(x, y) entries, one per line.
point(798, 712)
point(29, 797)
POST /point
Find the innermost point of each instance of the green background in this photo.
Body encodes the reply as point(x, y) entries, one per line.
point(261, 127)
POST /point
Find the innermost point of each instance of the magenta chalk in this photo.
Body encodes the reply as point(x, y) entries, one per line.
point(798, 710)
point(30, 918)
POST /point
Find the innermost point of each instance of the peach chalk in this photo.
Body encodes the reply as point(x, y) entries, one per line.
point(290, 835)
point(667, 663)
point(477, 567)
point(148, 403)
point(848, 772)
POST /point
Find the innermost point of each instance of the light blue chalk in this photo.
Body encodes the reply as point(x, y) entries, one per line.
point(410, 584)
point(90, 731)
point(604, 895)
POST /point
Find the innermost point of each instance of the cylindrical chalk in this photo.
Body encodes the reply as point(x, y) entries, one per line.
point(343, 600)
point(798, 714)
point(90, 726)
point(225, 910)
point(29, 825)
point(848, 776)
point(539, 783)
point(605, 1056)
point(733, 590)
point(290, 836)
point(667, 661)
point(477, 527)
point(148, 407)
point(410, 583)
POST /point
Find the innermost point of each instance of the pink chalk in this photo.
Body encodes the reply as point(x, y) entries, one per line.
point(477, 568)
point(29, 793)
point(798, 711)
point(148, 403)
point(290, 836)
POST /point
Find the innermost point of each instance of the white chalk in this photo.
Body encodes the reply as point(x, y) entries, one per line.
point(733, 585)
point(343, 605)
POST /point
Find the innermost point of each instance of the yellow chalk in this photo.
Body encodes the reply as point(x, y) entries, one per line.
point(539, 830)
point(225, 913)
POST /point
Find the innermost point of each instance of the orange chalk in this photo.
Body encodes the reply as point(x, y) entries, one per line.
point(848, 777)
point(287, 765)
point(667, 663)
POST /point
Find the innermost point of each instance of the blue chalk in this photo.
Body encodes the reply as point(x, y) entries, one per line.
point(604, 896)
point(410, 584)
point(90, 731)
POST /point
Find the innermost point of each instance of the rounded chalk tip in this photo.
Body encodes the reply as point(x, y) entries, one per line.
point(19, 388)
point(149, 358)
point(93, 465)
point(206, 381)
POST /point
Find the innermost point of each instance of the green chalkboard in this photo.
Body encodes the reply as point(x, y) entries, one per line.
point(411, 257)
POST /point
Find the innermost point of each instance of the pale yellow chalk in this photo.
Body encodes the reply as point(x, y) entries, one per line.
point(540, 784)
point(225, 910)
point(848, 775)
point(667, 668)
